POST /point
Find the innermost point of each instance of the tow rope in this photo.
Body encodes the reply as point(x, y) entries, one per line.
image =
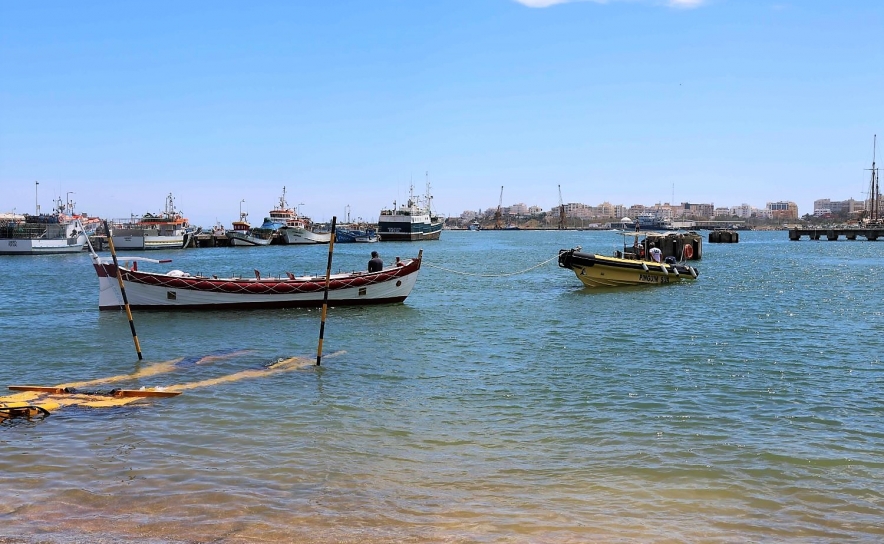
point(538, 265)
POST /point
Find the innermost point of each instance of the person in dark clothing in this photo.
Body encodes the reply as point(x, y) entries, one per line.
point(375, 264)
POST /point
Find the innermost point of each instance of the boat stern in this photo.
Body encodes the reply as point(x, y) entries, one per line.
point(109, 295)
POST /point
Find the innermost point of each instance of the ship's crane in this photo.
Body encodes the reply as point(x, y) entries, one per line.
point(497, 213)
point(561, 210)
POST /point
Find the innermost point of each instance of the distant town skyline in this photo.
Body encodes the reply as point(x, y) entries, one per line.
point(47, 204)
point(640, 101)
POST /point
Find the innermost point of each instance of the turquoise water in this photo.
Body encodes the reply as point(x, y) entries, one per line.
point(746, 406)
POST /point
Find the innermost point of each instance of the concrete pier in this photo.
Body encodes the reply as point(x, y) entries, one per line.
point(870, 234)
point(724, 237)
point(208, 239)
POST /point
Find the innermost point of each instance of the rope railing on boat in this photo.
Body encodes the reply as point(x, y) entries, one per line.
point(538, 265)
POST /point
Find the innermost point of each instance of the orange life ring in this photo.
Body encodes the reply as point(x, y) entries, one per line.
point(688, 251)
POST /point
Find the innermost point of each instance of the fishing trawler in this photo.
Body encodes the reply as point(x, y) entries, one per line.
point(166, 230)
point(302, 231)
point(292, 228)
point(244, 234)
point(411, 221)
point(41, 234)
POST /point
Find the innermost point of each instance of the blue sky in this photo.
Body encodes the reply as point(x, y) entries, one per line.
point(344, 102)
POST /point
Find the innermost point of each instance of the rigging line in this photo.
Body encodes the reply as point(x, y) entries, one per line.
point(491, 275)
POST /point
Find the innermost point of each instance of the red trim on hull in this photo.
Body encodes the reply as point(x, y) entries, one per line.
point(272, 304)
point(277, 292)
point(257, 287)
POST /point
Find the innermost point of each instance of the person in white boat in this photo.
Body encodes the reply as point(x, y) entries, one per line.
point(655, 253)
point(375, 264)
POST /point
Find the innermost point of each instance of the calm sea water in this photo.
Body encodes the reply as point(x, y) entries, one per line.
point(747, 406)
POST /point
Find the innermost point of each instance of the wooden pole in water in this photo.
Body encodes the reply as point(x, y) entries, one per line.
point(110, 243)
point(331, 248)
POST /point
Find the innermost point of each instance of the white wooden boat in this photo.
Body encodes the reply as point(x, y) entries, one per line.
point(180, 290)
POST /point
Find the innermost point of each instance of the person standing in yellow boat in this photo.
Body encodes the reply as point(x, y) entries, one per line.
point(655, 253)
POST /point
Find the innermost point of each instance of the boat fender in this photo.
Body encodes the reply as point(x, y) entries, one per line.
point(674, 269)
point(663, 268)
point(644, 267)
point(693, 272)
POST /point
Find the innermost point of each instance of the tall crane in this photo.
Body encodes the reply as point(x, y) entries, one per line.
point(497, 213)
point(561, 210)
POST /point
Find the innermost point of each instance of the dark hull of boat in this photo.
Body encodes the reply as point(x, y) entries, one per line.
point(395, 232)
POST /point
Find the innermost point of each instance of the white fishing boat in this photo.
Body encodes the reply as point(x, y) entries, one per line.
point(301, 231)
point(42, 234)
point(166, 230)
point(280, 215)
point(177, 289)
point(294, 229)
point(243, 234)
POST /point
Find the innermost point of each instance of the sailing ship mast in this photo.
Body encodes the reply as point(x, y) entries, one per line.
point(874, 194)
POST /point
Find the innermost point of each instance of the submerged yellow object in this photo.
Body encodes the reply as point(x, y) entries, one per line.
point(34, 400)
point(116, 393)
point(21, 409)
point(31, 401)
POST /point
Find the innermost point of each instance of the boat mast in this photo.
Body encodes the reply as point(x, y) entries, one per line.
point(873, 189)
point(170, 206)
point(429, 196)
